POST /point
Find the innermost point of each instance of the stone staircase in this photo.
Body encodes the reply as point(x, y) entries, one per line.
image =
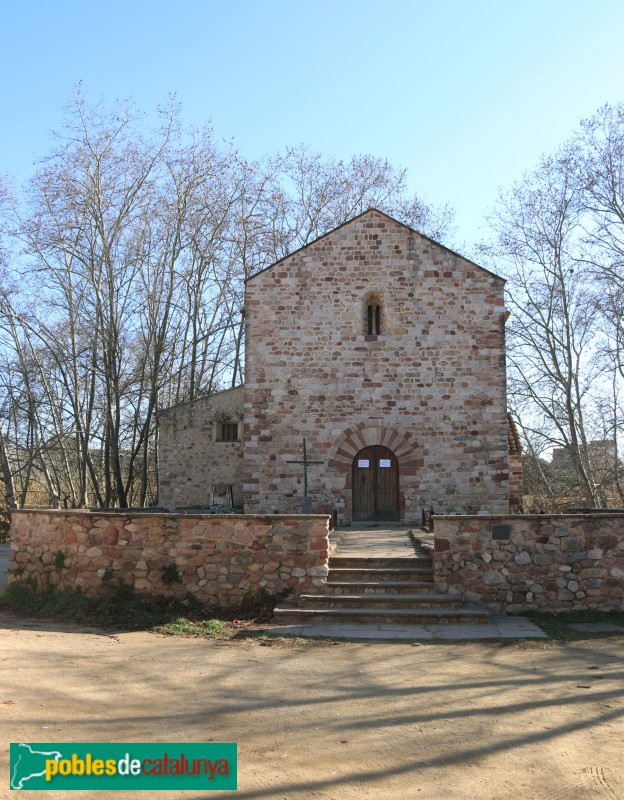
point(383, 590)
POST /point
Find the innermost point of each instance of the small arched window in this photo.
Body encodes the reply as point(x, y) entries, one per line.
point(373, 314)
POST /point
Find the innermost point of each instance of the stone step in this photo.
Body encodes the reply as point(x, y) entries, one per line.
point(358, 562)
point(379, 587)
point(358, 574)
point(412, 601)
point(399, 616)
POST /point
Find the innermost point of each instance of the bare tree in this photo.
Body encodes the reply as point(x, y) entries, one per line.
point(127, 294)
point(551, 335)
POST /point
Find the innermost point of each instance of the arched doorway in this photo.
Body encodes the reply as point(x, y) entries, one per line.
point(375, 485)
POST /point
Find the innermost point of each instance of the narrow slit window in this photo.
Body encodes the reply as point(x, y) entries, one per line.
point(374, 320)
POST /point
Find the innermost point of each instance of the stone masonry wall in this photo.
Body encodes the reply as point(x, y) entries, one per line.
point(549, 563)
point(516, 482)
point(218, 559)
point(190, 459)
point(431, 387)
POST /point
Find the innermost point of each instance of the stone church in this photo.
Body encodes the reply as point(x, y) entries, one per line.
point(385, 351)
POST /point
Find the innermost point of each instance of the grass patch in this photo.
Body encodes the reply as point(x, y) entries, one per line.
point(181, 626)
point(125, 610)
point(556, 625)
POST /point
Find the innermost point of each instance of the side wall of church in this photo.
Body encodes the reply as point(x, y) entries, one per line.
point(516, 482)
point(191, 457)
point(430, 387)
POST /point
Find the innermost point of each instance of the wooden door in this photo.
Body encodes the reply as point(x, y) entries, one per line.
point(375, 485)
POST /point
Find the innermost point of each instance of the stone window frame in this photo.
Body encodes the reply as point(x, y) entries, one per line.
point(227, 431)
point(373, 316)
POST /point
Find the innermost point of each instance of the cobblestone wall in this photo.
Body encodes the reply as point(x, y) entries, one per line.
point(548, 563)
point(430, 386)
point(191, 459)
point(218, 559)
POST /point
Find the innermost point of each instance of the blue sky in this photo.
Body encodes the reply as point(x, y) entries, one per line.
point(466, 95)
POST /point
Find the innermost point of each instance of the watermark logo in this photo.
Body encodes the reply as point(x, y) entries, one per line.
point(129, 766)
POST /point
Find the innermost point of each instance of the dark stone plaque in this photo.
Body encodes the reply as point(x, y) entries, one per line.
point(501, 531)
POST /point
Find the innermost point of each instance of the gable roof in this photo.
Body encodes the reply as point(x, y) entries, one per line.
point(392, 219)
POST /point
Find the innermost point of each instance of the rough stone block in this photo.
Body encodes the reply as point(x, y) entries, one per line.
point(493, 578)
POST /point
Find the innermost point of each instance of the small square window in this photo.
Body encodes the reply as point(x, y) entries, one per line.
point(227, 431)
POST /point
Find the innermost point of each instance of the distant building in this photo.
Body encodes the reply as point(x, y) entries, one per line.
point(600, 453)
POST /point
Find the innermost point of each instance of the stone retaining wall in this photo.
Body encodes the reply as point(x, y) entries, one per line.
point(220, 559)
point(548, 563)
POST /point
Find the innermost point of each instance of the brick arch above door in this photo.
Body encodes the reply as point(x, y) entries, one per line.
point(402, 443)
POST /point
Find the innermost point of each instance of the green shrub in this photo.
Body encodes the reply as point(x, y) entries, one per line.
point(107, 577)
point(262, 601)
point(170, 575)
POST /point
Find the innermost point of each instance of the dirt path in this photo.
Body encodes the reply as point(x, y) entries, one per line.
point(321, 720)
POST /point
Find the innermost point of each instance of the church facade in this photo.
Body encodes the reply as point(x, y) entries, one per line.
point(385, 351)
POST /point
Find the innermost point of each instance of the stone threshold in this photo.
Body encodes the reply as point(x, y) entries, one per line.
point(499, 627)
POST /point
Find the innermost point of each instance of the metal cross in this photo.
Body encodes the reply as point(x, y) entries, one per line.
point(306, 463)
